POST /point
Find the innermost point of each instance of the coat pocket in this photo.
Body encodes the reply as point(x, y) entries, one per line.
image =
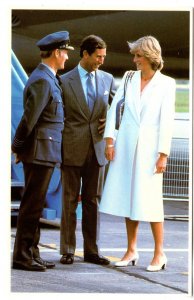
point(57, 108)
point(48, 146)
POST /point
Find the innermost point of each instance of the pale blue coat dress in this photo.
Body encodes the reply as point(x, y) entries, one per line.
point(131, 188)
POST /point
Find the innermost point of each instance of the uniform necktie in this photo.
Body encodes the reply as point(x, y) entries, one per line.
point(90, 92)
point(59, 83)
point(58, 79)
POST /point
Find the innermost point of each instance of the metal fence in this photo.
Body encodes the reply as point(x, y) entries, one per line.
point(176, 177)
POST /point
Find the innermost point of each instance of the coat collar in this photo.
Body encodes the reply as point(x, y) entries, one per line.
point(51, 74)
point(100, 92)
point(46, 69)
point(137, 99)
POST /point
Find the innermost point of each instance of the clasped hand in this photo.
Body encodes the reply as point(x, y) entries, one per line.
point(16, 160)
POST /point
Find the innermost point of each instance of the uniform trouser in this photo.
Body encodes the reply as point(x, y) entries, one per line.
point(73, 178)
point(37, 178)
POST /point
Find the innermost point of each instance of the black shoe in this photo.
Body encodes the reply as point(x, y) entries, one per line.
point(96, 259)
point(67, 259)
point(45, 263)
point(30, 265)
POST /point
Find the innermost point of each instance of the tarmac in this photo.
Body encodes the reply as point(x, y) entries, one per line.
point(83, 279)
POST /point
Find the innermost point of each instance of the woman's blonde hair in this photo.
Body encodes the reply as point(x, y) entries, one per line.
point(150, 48)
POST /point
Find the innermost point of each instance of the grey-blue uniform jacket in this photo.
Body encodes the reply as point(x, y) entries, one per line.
point(39, 134)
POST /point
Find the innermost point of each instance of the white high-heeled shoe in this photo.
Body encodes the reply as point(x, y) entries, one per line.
point(125, 263)
point(161, 266)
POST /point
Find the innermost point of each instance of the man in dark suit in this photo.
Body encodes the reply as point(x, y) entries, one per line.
point(37, 143)
point(87, 94)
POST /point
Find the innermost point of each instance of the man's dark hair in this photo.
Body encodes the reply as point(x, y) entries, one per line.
point(46, 54)
point(91, 43)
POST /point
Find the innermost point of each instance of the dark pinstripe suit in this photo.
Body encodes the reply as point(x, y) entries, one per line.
point(82, 157)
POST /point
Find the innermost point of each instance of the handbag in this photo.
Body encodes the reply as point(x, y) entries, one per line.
point(121, 104)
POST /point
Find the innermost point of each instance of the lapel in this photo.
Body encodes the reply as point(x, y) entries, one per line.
point(146, 95)
point(134, 94)
point(49, 73)
point(100, 90)
point(76, 85)
point(137, 101)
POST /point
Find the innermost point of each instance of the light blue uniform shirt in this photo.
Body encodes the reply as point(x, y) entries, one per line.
point(83, 77)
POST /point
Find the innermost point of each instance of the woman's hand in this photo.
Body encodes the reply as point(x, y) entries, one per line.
point(110, 152)
point(161, 163)
point(110, 149)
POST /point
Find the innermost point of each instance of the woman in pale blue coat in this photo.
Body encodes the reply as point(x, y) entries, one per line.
point(138, 153)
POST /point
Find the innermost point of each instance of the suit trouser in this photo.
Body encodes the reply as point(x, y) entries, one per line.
point(37, 178)
point(73, 178)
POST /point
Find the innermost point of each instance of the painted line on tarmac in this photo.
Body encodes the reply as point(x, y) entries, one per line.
point(139, 249)
point(79, 251)
point(53, 247)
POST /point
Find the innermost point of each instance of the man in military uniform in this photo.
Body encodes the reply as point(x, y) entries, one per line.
point(37, 143)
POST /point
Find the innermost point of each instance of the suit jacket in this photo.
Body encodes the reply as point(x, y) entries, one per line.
point(81, 126)
point(39, 134)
